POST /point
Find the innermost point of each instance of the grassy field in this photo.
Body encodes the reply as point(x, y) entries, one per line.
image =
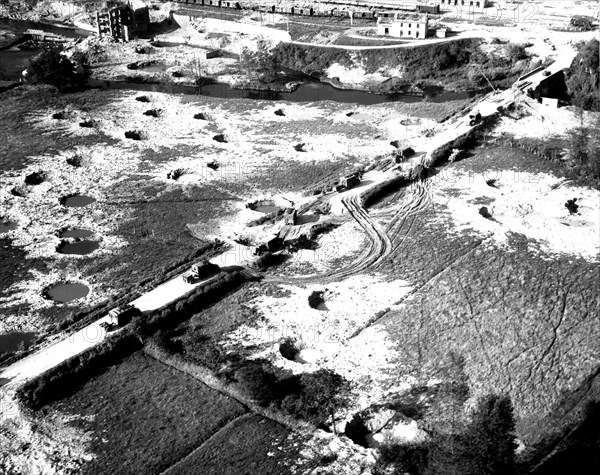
point(145, 417)
point(199, 336)
point(156, 232)
point(521, 319)
point(18, 140)
point(249, 446)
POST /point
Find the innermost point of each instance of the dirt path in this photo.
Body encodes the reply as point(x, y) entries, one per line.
point(93, 334)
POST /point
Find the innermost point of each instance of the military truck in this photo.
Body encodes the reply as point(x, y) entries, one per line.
point(120, 316)
point(474, 118)
point(347, 181)
point(289, 216)
point(200, 270)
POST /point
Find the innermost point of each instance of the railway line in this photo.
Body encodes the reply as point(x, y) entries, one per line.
point(365, 11)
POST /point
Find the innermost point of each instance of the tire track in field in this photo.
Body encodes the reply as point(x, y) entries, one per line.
point(420, 200)
point(379, 247)
point(383, 242)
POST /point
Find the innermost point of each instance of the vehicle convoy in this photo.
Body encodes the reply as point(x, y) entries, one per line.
point(200, 270)
point(119, 316)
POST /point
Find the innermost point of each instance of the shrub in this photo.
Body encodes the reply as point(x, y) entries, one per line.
point(53, 68)
point(485, 212)
point(316, 298)
point(572, 206)
point(176, 174)
point(583, 23)
point(35, 178)
point(257, 382)
point(585, 150)
point(288, 349)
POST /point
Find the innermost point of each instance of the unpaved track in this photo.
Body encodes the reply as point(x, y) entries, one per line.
point(382, 242)
point(93, 334)
point(401, 224)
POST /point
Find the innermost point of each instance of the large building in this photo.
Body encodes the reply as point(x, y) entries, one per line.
point(404, 26)
point(123, 21)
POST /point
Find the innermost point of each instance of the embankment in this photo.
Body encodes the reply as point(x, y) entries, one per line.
point(433, 64)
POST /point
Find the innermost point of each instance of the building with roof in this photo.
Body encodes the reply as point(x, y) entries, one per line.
point(404, 26)
point(124, 21)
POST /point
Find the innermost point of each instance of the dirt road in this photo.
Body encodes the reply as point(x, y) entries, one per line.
point(93, 334)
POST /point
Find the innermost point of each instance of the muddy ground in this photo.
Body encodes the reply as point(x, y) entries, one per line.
point(142, 219)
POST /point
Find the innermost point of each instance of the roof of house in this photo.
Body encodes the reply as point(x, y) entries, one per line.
point(413, 18)
point(137, 4)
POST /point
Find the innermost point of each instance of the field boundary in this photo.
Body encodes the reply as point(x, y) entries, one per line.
point(248, 415)
point(207, 377)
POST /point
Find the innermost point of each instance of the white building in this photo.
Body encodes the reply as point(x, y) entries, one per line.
point(404, 26)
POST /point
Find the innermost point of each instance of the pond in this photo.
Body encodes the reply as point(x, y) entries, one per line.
point(267, 209)
point(80, 248)
point(307, 92)
point(13, 341)
point(77, 201)
point(320, 91)
point(13, 61)
point(75, 233)
point(6, 226)
point(67, 292)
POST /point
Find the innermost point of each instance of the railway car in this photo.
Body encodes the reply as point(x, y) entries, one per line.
point(366, 14)
point(433, 9)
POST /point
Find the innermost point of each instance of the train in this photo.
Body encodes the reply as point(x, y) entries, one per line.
point(366, 11)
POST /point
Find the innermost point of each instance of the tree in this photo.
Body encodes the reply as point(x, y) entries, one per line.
point(197, 69)
point(579, 140)
point(260, 64)
point(593, 149)
point(492, 436)
point(322, 394)
point(583, 80)
point(54, 68)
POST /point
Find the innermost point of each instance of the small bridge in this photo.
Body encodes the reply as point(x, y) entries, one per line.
point(40, 35)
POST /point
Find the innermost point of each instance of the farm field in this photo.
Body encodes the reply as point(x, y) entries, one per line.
point(517, 312)
point(144, 416)
point(249, 445)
